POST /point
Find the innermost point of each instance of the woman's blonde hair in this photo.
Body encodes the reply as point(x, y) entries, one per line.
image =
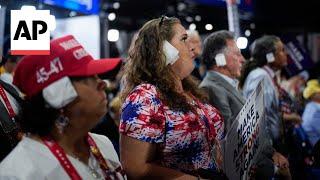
point(146, 64)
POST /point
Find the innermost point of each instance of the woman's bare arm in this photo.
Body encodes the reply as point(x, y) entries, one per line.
point(137, 159)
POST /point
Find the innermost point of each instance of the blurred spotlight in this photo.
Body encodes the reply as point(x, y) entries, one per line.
point(192, 26)
point(72, 13)
point(247, 33)
point(113, 35)
point(116, 5)
point(112, 16)
point(242, 42)
point(28, 8)
point(209, 27)
point(0, 6)
point(189, 19)
point(181, 6)
point(198, 18)
point(252, 26)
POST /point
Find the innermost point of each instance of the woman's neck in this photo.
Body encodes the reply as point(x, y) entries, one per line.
point(273, 67)
point(179, 85)
point(74, 143)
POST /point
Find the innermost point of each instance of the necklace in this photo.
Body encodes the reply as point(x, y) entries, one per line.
point(93, 167)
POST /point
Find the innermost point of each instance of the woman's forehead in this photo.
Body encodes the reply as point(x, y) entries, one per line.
point(279, 44)
point(179, 29)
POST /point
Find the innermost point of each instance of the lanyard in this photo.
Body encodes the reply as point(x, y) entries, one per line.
point(273, 80)
point(286, 104)
point(59, 153)
point(7, 103)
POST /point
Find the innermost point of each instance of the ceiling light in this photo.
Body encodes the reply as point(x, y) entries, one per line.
point(113, 35)
point(242, 42)
point(209, 27)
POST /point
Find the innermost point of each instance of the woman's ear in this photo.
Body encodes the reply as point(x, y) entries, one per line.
point(60, 93)
point(270, 57)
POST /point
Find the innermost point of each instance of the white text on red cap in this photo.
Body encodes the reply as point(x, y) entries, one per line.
point(55, 67)
point(80, 53)
point(69, 44)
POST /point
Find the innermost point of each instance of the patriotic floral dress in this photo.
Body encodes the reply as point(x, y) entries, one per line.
point(185, 139)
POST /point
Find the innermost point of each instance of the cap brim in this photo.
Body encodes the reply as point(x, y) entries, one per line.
point(94, 67)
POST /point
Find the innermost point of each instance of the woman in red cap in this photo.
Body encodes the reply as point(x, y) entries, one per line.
point(64, 100)
point(166, 130)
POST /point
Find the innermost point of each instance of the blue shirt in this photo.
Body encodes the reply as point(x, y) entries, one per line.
point(271, 99)
point(311, 121)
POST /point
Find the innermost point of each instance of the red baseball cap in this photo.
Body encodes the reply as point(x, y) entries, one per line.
point(67, 58)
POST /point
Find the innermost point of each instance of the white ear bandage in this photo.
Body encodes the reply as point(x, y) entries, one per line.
point(270, 57)
point(60, 93)
point(220, 60)
point(171, 53)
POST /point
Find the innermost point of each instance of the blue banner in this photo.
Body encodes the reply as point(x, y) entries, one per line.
point(298, 58)
point(83, 6)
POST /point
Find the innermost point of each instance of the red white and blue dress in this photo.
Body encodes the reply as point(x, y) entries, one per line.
point(185, 139)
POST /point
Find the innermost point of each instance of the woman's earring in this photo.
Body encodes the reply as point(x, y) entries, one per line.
point(61, 123)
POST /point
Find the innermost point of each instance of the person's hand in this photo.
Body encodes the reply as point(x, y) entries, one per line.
point(280, 161)
point(252, 172)
point(218, 154)
point(284, 173)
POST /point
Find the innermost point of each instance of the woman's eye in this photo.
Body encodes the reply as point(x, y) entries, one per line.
point(184, 39)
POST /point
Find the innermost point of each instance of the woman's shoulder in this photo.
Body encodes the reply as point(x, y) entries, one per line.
point(257, 72)
point(145, 88)
point(105, 146)
point(23, 161)
point(141, 93)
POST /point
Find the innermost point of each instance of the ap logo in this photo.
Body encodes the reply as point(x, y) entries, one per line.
point(30, 31)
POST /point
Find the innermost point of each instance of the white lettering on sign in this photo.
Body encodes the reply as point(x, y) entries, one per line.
point(55, 67)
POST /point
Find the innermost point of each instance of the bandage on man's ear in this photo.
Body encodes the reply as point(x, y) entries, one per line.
point(220, 59)
point(270, 57)
point(171, 53)
point(60, 93)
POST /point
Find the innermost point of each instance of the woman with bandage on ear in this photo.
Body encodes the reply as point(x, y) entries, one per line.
point(268, 58)
point(167, 131)
point(65, 99)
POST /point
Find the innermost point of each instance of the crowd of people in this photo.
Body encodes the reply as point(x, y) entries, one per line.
point(173, 100)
